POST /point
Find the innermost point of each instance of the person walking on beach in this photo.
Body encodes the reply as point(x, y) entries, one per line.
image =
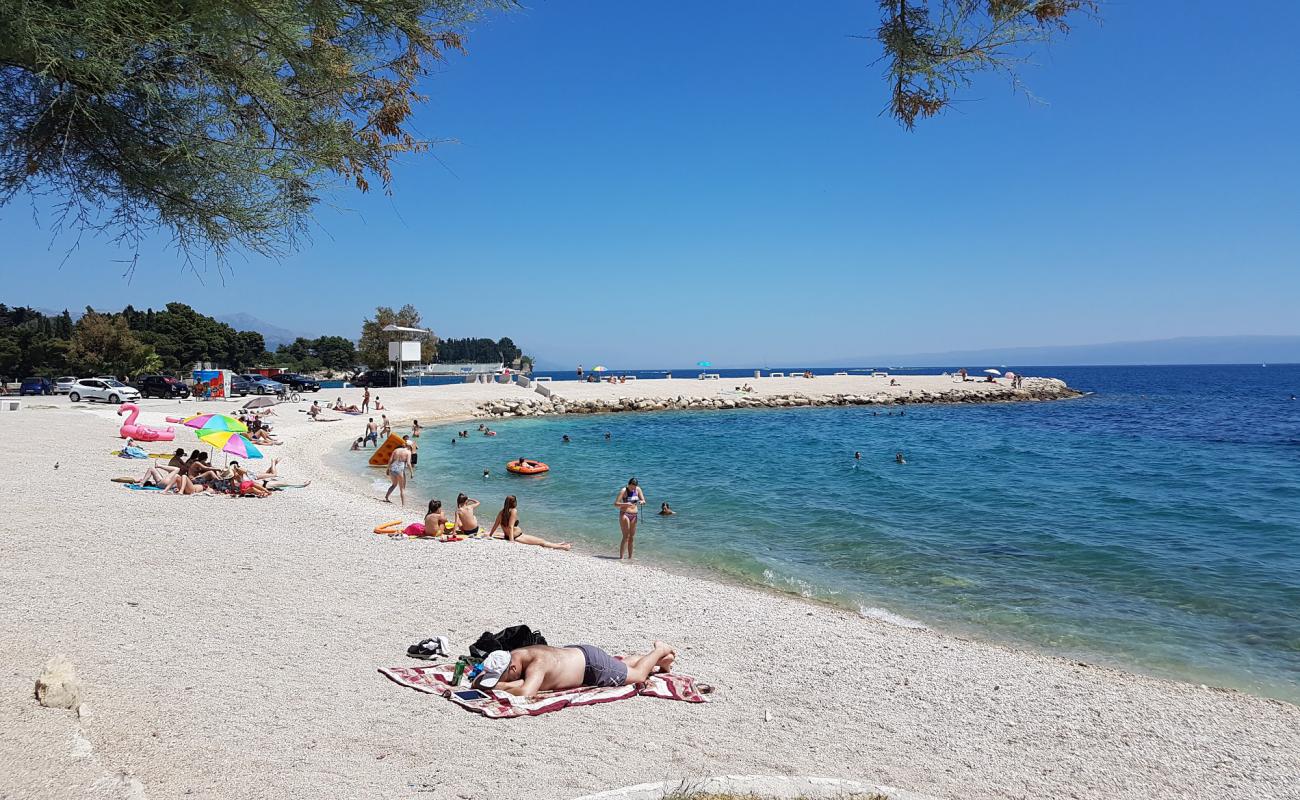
point(466, 522)
point(415, 429)
point(415, 452)
point(629, 501)
point(372, 433)
point(365, 401)
point(507, 522)
point(397, 466)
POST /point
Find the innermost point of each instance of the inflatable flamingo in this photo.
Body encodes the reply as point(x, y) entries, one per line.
point(141, 433)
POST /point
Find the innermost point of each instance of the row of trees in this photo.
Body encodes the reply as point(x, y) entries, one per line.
point(373, 345)
point(327, 353)
point(127, 343)
point(174, 338)
point(478, 350)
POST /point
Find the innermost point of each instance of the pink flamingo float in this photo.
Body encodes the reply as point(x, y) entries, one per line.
point(142, 433)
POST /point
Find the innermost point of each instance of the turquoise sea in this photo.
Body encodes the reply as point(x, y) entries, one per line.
point(1152, 525)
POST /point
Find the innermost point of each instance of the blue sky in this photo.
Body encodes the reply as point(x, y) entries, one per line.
point(652, 184)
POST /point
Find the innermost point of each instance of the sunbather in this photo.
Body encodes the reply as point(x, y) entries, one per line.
point(540, 668)
point(507, 522)
point(244, 483)
point(162, 476)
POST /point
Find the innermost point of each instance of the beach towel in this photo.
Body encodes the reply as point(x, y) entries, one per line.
point(436, 679)
point(142, 488)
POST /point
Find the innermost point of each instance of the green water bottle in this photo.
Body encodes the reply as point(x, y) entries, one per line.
point(460, 671)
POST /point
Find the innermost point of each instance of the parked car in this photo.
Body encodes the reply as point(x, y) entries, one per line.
point(262, 384)
point(64, 385)
point(299, 383)
point(108, 390)
point(36, 386)
point(161, 386)
point(240, 386)
point(373, 378)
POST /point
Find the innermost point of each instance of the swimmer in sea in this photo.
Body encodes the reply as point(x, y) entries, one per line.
point(607, 436)
point(898, 458)
point(485, 474)
point(666, 511)
point(857, 455)
point(565, 438)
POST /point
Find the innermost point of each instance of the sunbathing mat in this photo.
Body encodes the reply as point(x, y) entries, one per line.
point(436, 679)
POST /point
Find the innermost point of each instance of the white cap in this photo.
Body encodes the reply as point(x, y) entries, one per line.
point(494, 666)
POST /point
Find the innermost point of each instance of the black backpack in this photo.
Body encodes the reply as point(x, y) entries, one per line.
point(511, 638)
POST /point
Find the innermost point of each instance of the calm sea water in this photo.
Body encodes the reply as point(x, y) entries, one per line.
point(1153, 525)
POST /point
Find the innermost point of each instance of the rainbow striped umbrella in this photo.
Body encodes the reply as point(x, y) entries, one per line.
point(230, 442)
point(215, 422)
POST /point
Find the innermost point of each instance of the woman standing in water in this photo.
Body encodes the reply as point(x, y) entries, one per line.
point(629, 501)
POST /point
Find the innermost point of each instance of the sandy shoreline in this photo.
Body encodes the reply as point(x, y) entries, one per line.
point(229, 647)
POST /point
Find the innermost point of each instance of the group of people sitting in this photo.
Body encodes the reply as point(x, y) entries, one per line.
point(194, 475)
point(259, 432)
point(464, 523)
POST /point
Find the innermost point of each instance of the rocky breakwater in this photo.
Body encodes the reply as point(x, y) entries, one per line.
point(1033, 389)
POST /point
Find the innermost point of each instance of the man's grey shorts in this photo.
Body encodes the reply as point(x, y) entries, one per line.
point(602, 668)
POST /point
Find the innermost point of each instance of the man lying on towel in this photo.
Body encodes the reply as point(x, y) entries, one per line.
point(541, 668)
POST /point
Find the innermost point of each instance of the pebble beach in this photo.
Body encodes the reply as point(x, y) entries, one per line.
point(229, 648)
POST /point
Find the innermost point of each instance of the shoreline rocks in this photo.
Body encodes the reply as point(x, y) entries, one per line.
point(1032, 390)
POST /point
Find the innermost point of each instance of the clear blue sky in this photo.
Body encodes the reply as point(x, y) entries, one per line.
point(652, 184)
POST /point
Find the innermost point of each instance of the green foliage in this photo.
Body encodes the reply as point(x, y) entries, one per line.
point(219, 122)
point(103, 344)
point(183, 336)
point(452, 351)
point(129, 343)
point(32, 343)
point(332, 353)
point(372, 347)
point(935, 47)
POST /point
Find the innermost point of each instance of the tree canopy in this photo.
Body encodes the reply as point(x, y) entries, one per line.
point(936, 47)
point(126, 343)
point(372, 347)
point(219, 122)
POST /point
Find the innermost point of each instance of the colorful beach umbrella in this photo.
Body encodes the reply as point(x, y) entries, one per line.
point(598, 368)
point(703, 363)
point(992, 372)
point(215, 422)
point(236, 444)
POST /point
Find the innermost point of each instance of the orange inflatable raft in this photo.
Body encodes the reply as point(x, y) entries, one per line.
point(527, 468)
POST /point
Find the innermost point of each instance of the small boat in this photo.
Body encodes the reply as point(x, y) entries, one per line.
point(527, 468)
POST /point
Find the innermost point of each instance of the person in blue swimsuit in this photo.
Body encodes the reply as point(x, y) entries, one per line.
point(629, 501)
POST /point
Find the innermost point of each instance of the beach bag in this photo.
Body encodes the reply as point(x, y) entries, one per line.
point(511, 638)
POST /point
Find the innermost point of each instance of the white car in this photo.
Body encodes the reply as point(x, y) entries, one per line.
point(105, 389)
point(64, 385)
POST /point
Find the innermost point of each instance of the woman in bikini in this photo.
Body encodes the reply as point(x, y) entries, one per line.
point(244, 483)
point(508, 522)
point(466, 522)
point(629, 501)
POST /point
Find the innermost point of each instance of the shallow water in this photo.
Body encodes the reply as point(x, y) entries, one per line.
point(1154, 524)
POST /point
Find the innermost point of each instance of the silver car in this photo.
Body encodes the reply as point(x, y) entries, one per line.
point(64, 385)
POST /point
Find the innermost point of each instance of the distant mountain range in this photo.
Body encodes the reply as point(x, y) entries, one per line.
point(1183, 350)
point(273, 334)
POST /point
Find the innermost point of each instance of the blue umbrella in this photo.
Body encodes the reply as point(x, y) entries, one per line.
point(703, 363)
